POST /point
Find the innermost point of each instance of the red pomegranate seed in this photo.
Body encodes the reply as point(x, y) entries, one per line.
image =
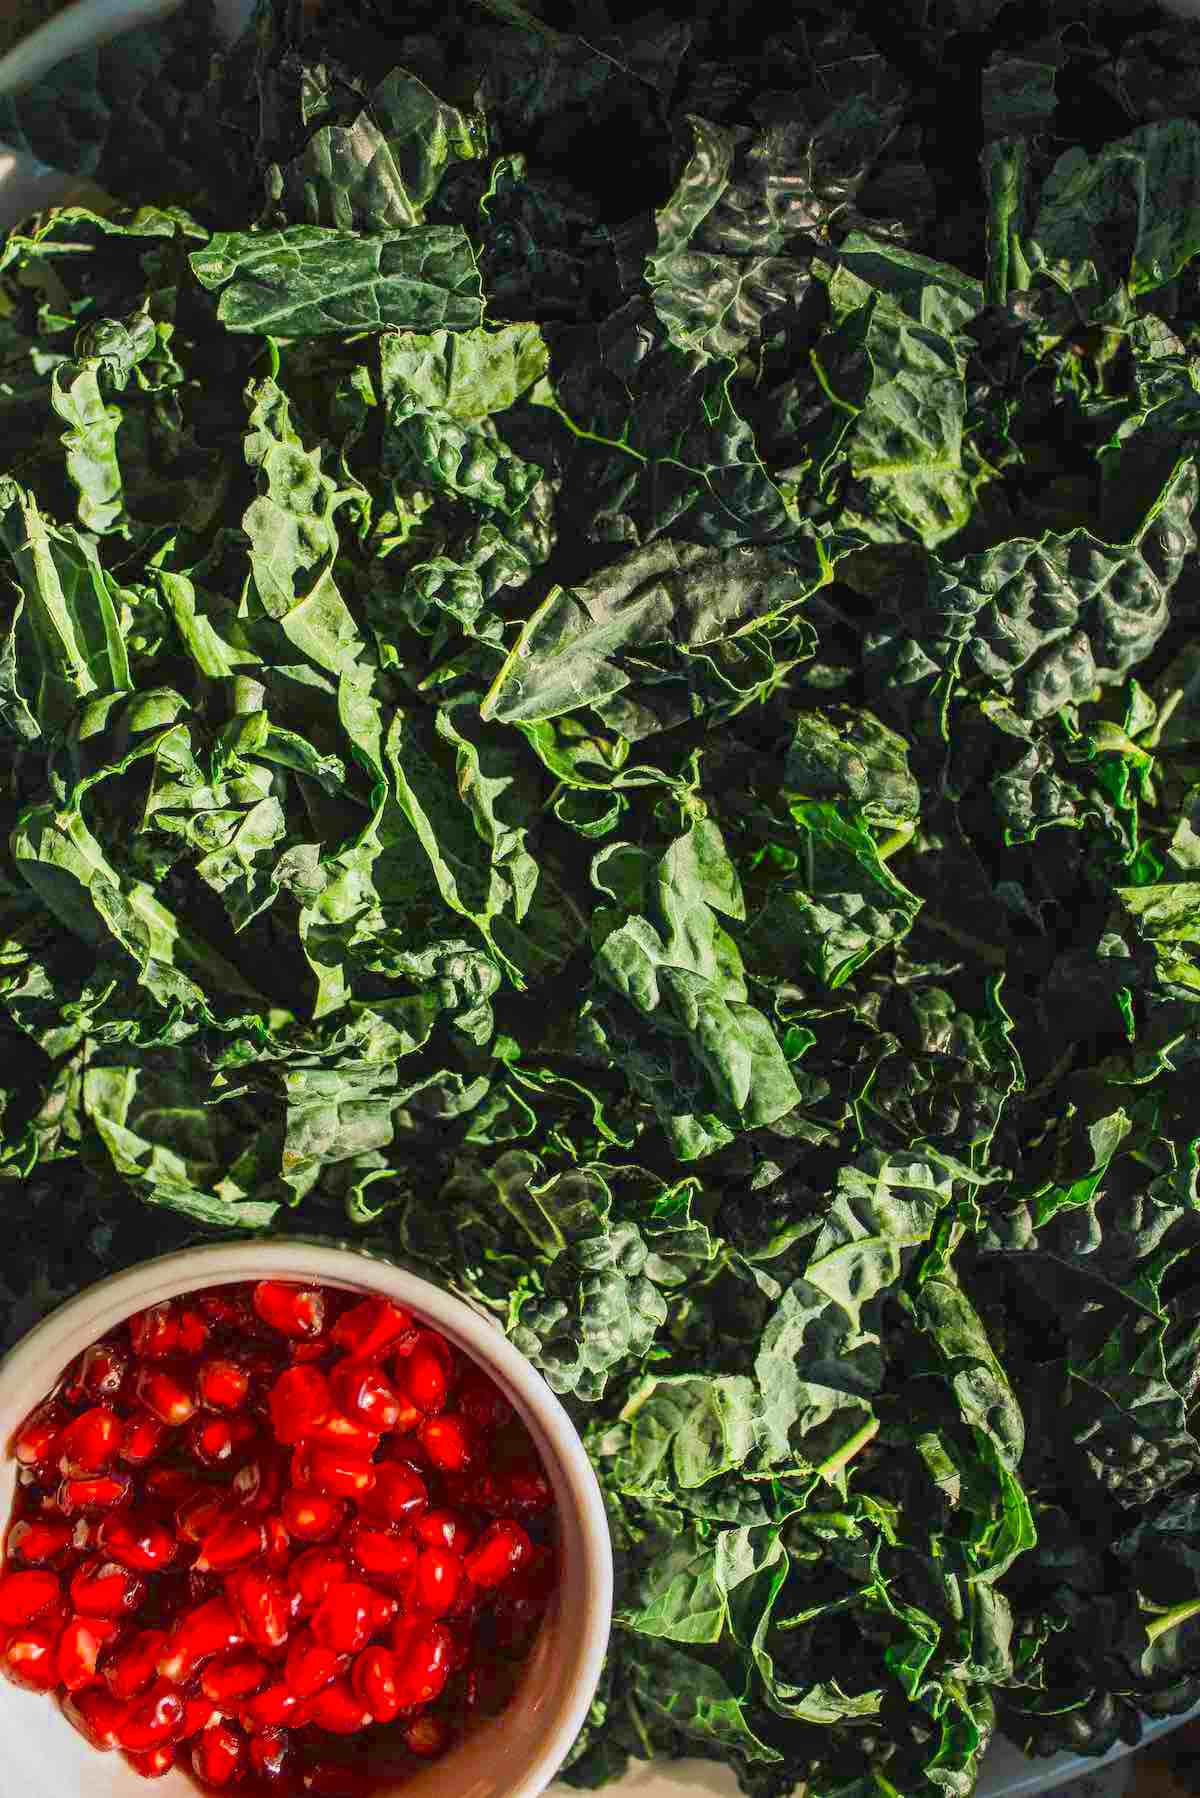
point(279, 1543)
point(39, 1541)
point(155, 1717)
point(201, 1513)
point(443, 1529)
point(271, 1755)
point(193, 1335)
point(31, 1659)
point(278, 1707)
point(499, 1552)
point(344, 1618)
point(427, 1736)
point(310, 1665)
point(339, 1709)
point(79, 1649)
point(36, 1442)
point(311, 1516)
point(174, 1485)
point(262, 1603)
point(137, 1542)
point(370, 1328)
point(399, 1494)
point(308, 1351)
point(24, 1595)
point(132, 1665)
point(446, 1442)
point(520, 1492)
point(223, 1310)
point(154, 1333)
point(338, 1431)
point(258, 1484)
point(424, 1377)
point(363, 1392)
point(237, 1677)
point(331, 1471)
point(381, 1553)
point(482, 1403)
point(152, 1763)
point(198, 1713)
point(313, 1573)
point(101, 1491)
point(296, 1311)
point(436, 1580)
point(215, 1441)
point(97, 1715)
point(230, 1542)
point(223, 1385)
point(103, 1370)
point(330, 1779)
point(375, 1681)
point(106, 1589)
point(423, 1657)
point(143, 1437)
point(211, 1629)
point(219, 1755)
point(164, 1395)
point(300, 1398)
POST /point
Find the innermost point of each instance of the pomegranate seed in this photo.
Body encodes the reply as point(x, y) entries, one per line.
point(133, 1665)
point(223, 1681)
point(311, 1664)
point(198, 1635)
point(258, 1484)
point(399, 1494)
point(337, 1431)
point(521, 1492)
point(427, 1736)
point(137, 1542)
point(499, 1552)
point(223, 1385)
point(164, 1395)
point(446, 1442)
point(215, 1440)
point(375, 1681)
point(36, 1442)
point(300, 1398)
point(24, 1595)
point(101, 1491)
point(103, 1370)
point(424, 1377)
point(339, 1709)
point(155, 1717)
point(154, 1333)
point(192, 1338)
point(143, 1438)
point(369, 1328)
point(223, 1310)
point(299, 1352)
point(279, 1543)
point(200, 1513)
point(39, 1541)
point(231, 1541)
point(175, 1485)
point(443, 1529)
point(332, 1472)
point(381, 1554)
point(275, 1708)
point(535, 1580)
point(296, 1311)
point(311, 1516)
point(219, 1755)
point(31, 1658)
point(363, 1392)
point(436, 1581)
point(79, 1649)
point(344, 1618)
point(330, 1779)
point(314, 1572)
point(423, 1657)
point(152, 1763)
point(271, 1755)
point(482, 1403)
point(198, 1713)
point(97, 1715)
point(106, 1589)
point(262, 1603)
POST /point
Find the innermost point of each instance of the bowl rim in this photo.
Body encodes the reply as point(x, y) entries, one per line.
point(56, 1339)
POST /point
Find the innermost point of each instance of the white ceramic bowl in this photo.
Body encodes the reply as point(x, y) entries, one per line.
point(514, 1755)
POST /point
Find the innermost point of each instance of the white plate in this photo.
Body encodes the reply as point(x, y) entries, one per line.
point(26, 186)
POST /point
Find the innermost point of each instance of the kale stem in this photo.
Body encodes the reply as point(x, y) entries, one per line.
point(893, 844)
point(1158, 1626)
point(849, 1449)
